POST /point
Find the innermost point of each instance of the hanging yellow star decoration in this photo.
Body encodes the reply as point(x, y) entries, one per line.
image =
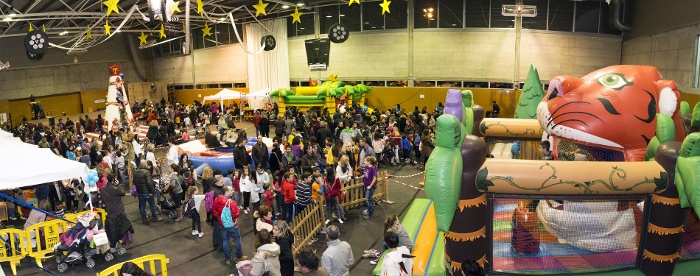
point(162, 31)
point(89, 34)
point(206, 31)
point(296, 16)
point(354, 1)
point(142, 39)
point(43, 28)
point(260, 8)
point(31, 27)
point(111, 6)
point(107, 28)
point(385, 6)
point(200, 7)
point(175, 7)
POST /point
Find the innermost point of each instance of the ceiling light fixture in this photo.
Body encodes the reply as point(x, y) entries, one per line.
point(329, 16)
point(300, 4)
point(285, 6)
point(342, 15)
point(63, 33)
point(7, 19)
point(12, 14)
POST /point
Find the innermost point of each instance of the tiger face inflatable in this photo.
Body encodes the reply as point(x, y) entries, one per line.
point(613, 108)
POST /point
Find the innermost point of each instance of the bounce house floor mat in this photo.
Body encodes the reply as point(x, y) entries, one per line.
point(553, 257)
point(558, 258)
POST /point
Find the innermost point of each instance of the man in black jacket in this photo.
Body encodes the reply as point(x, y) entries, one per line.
point(240, 155)
point(279, 127)
point(323, 133)
point(259, 152)
point(145, 188)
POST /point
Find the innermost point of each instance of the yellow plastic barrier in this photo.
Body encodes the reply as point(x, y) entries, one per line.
point(101, 215)
point(141, 262)
point(51, 230)
point(15, 239)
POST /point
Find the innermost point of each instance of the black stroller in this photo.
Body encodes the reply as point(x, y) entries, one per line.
point(166, 204)
point(75, 246)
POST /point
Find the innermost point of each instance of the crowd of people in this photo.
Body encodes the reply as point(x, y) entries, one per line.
point(313, 155)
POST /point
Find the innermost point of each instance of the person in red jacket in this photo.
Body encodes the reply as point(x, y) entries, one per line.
point(220, 202)
point(289, 185)
point(333, 187)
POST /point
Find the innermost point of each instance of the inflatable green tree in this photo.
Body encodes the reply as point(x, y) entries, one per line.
point(530, 97)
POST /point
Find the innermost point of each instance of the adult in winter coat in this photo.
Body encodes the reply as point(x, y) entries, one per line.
point(266, 257)
point(240, 155)
point(259, 152)
point(145, 188)
point(285, 239)
point(117, 223)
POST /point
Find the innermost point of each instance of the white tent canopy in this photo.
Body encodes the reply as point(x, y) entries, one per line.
point(5, 134)
point(26, 166)
point(225, 94)
point(260, 94)
point(258, 99)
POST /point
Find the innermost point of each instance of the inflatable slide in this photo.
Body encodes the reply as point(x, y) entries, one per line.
point(428, 242)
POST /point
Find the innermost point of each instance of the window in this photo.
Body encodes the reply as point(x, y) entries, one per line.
point(540, 21)
point(498, 20)
point(426, 14)
point(561, 16)
point(696, 80)
point(398, 18)
point(350, 16)
point(587, 16)
point(450, 14)
point(477, 13)
point(374, 20)
point(306, 27)
point(606, 20)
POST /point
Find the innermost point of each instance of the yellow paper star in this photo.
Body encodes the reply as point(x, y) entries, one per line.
point(200, 7)
point(206, 31)
point(89, 34)
point(385, 6)
point(142, 39)
point(162, 31)
point(174, 8)
point(296, 16)
point(260, 8)
point(111, 6)
point(107, 28)
point(354, 1)
point(43, 28)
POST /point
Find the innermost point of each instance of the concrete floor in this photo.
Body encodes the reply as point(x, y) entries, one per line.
point(194, 256)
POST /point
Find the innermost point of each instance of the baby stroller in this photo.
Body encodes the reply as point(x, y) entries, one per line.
point(166, 205)
point(75, 244)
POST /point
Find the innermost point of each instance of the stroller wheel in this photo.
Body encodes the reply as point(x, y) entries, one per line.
point(109, 257)
point(90, 263)
point(121, 251)
point(90, 253)
point(62, 267)
point(172, 215)
point(59, 258)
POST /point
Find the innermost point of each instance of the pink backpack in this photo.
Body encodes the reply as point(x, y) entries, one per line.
point(209, 201)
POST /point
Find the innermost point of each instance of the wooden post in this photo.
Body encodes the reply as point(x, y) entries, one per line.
point(385, 180)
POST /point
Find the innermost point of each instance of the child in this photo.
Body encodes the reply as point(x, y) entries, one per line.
point(406, 146)
point(370, 180)
point(317, 187)
point(235, 178)
point(268, 196)
point(416, 145)
point(277, 189)
point(192, 204)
